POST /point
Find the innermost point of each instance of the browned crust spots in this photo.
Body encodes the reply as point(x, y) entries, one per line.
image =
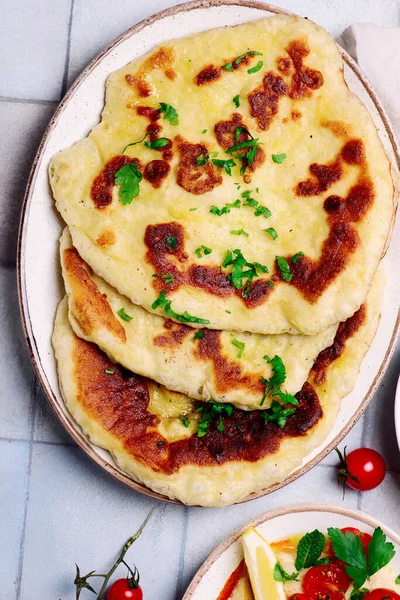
point(156, 171)
point(192, 177)
point(264, 100)
point(225, 134)
point(106, 238)
point(326, 357)
point(119, 403)
point(101, 192)
point(338, 128)
point(162, 59)
point(208, 75)
point(175, 335)
point(92, 307)
point(296, 115)
point(233, 581)
point(168, 260)
point(228, 374)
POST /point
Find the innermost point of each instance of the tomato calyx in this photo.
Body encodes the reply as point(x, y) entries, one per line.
point(133, 577)
point(344, 473)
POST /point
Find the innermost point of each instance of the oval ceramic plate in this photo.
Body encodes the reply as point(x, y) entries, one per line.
point(275, 525)
point(40, 285)
point(397, 412)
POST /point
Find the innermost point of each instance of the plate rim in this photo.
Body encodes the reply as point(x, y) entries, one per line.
point(279, 512)
point(73, 429)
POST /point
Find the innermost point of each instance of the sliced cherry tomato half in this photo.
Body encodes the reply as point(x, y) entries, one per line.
point(382, 593)
point(120, 590)
point(299, 597)
point(364, 537)
point(325, 594)
point(323, 580)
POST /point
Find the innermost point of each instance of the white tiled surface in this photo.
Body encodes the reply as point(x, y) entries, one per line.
point(56, 507)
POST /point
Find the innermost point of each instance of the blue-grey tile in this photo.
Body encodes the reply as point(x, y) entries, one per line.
point(97, 23)
point(47, 427)
point(353, 439)
point(33, 43)
point(16, 373)
point(14, 458)
point(21, 128)
point(208, 527)
point(383, 502)
point(77, 513)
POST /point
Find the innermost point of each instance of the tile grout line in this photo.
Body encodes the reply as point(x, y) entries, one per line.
point(39, 442)
point(32, 413)
point(179, 579)
point(15, 100)
point(64, 85)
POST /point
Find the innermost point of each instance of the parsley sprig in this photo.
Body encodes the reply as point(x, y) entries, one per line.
point(279, 411)
point(209, 412)
point(169, 113)
point(235, 63)
point(128, 178)
point(214, 210)
point(162, 302)
point(242, 269)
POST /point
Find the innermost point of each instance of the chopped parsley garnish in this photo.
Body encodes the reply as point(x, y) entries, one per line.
point(210, 412)
point(172, 241)
point(240, 345)
point(203, 249)
point(229, 313)
point(109, 371)
point(281, 575)
point(204, 131)
point(239, 232)
point(159, 143)
point(224, 164)
point(296, 257)
point(250, 145)
point(278, 414)
point(225, 209)
point(170, 113)
point(236, 259)
point(278, 158)
point(198, 335)
point(272, 385)
point(284, 268)
point(236, 101)
point(168, 278)
point(134, 143)
point(124, 315)
point(128, 178)
point(238, 60)
point(309, 549)
point(361, 564)
point(271, 232)
point(397, 580)
point(185, 420)
point(202, 159)
point(162, 302)
point(358, 594)
point(241, 146)
point(256, 67)
point(259, 209)
point(270, 283)
point(190, 209)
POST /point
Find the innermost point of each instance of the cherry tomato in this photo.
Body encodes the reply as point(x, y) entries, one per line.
point(120, 590)
point(364, 537)
point(299, 597)
point(381, 593)
point(326, 580)
point(369, 468)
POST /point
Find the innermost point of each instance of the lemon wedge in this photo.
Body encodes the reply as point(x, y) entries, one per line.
point(260, 561)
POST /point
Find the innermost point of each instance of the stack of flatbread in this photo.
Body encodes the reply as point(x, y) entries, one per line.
point(225, 224)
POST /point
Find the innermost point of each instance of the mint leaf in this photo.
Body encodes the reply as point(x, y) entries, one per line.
point(129, 178)
point(281, 575)
point(380, 552)
point(309, 549)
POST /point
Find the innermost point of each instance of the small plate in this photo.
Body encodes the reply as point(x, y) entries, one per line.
point(39, 280)
point(275, 525)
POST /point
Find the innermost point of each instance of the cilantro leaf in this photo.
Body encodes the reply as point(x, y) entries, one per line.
point(281, 575)
point(240, 345)
point(162, 302)
point(271, 231)
point(158, 143)
point(124, 315)
point(170, 113)
point(134, 143)
point(128, 178)
point(278, 158)
point(380, 552)
point(284, 268)
point(236, 101)
point(309, 549)
point(296, 257)
point(256, 68)
point(348, 547)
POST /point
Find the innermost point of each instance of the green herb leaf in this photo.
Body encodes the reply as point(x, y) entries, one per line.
point(170, 113)
point(247, 144)
point(128, 178)
point(239, 264)
point(159, 143)
point(204, 131)
point(134, 143)
point(236, 101)
point(198, 335)
point(380, 552)
point(262, 210)
point(109, 371)
point(322, 561)
point(202, 159)
point(210, 412)
point(185, 420)
point(397, 580)
point(124, 315)
point(309, 549)
point(225, 209)
point(358, 594)
point(278, 371)
point(278, 158)
point(284, 268)
point(286, 398)
point(259, 208)
point(296, 257)
point(203, 249)
point(271, 231)
point(277, 414)
point(228, 67)
point(168, 278)
point(172, 241)
point(256, 68)
point(190, 209)
point(348, 547)
point(224, 164)
point(162, 302)
point(239, 232)
point(240, 345)
point(281, 575)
